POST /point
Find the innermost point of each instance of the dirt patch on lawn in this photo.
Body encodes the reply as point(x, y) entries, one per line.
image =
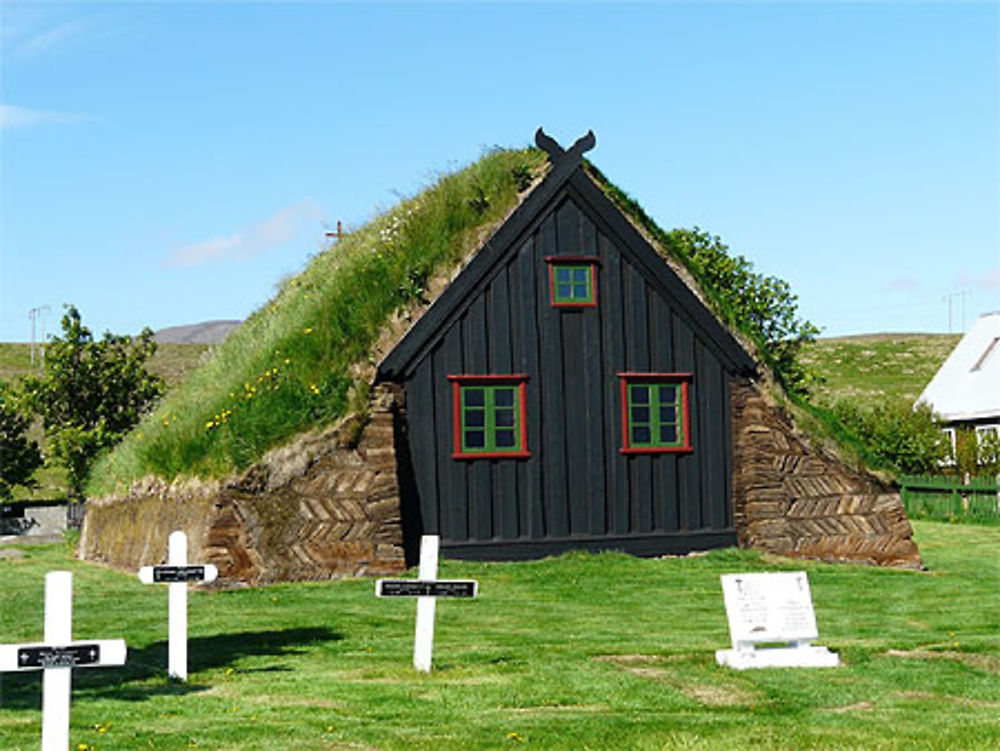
point(986, 663)
point(718, 691)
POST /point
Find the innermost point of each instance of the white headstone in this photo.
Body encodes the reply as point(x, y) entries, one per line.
point(57, 656)
point(177, 573)
point(771, 609)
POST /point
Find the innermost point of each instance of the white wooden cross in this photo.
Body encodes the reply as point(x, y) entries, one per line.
point(177, 573)
point(57, 656)
point(427, 588)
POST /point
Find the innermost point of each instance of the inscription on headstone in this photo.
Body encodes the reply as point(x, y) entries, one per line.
point(771, 608)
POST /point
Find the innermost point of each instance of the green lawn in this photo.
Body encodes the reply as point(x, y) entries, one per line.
point(577, 652)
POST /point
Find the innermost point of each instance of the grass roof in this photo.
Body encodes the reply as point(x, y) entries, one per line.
point(300, 362)
point(305, 359)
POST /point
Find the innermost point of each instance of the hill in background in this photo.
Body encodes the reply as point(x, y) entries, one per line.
point(870, 368)
point(207, 332)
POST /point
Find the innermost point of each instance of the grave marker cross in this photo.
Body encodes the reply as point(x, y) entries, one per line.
point(426, 589)
point(177, 573)
point(57, 656)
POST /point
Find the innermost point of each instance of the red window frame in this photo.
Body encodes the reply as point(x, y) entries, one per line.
point(517, 379)
point(554, 261)
point(674, 379)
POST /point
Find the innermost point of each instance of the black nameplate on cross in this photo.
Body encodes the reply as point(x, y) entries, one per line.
point(175, 574)
point(426, 588)
point(59, 657)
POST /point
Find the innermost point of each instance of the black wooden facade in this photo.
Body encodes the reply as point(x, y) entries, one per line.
point(576, 488)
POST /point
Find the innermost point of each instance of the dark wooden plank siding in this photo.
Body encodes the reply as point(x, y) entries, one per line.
point(612, 305)
point(576, 485)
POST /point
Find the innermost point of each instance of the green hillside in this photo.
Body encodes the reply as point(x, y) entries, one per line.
point(302, 361)
point(874, 368)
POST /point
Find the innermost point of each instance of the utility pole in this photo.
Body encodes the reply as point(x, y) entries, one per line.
point(39, 315)
point(951, 296)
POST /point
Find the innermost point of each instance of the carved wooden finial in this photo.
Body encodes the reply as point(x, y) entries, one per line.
point(557, 153)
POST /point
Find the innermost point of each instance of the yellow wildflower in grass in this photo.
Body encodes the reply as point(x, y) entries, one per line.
point(307, 330)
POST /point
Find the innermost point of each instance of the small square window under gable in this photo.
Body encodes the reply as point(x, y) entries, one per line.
point(655, 413)
point(572, 281)
point(489, 414)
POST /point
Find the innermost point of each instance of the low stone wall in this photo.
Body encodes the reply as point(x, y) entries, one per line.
point(791, 499)
point(316, 509)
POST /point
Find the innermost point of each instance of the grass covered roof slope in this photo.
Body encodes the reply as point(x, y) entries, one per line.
point(305, 359)
point(294, 364)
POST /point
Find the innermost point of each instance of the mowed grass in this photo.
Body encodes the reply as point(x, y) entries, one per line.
point(576, 652)
point(874, 368)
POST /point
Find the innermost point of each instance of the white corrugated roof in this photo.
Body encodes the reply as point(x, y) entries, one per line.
point(967, 387)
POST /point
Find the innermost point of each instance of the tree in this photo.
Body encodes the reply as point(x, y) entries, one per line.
point(91, 393)
point(19, 457)
point(762, 306)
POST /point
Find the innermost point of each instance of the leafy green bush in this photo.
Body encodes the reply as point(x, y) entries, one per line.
point(91, 392)
point(908, 439)
point(19, 457)
point(762, 307)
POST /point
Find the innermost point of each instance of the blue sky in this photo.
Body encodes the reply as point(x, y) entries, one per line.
point(164, 164)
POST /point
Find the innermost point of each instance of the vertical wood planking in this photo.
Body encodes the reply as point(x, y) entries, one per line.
point(594, 375)
point(637, 352)
point(728, 451)
point(689, 497)
point(611, 304)
point(571, 344)
point(553, 403)
point(525, 284)
point(663, 490)
point(451, 472)
point(480, 493)
point(504, 493)
point(423, 452)
point(713, 470)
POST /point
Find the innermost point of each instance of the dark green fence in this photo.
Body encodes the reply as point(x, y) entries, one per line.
point(949, 499)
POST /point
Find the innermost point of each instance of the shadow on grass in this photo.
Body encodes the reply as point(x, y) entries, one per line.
point(144, 674)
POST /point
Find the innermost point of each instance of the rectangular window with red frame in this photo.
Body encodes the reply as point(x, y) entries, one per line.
point(490, 419)
point(572, 281)
point(655, 413)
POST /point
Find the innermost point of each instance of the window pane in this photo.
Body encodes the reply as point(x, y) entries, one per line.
point(639, 394)
point(668, 413)
point(473, 397)
point(506, 439)
point(562, 275)
point(640, 414)
point(668, 434)
point(475, 439)
point(580, 275)
point(640, 434)
point(505, 418)
point(475, 418)
point(580, 291)
point(503, 397)
point(563, 291)
point(668, 393)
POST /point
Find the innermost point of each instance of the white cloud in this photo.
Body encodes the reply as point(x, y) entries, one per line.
point(279, 228)
point(41, 42)
point(988, 280)
point(12, 116)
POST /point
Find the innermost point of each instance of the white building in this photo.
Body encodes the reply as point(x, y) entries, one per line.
point(965, 392)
